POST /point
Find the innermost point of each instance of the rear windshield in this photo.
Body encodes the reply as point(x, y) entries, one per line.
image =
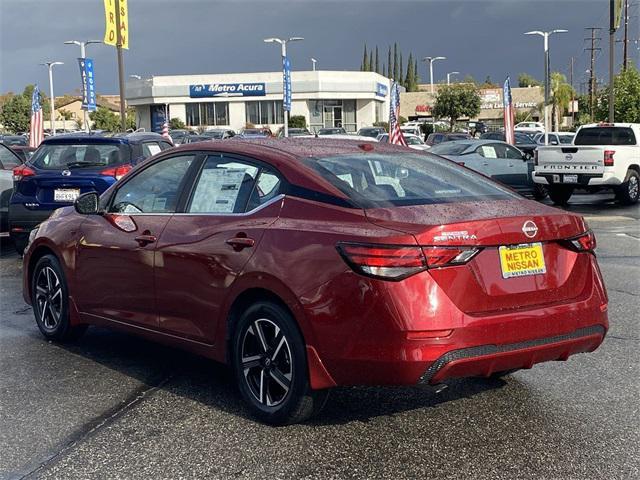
point(398, 179)
point(605, 136)
point(61, 157)
point(449, 148)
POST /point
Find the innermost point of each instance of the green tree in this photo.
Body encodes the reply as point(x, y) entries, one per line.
point(370, 61)
point(66, 114)
point(176, 124)
point(401, 79)
point(416, 73)
point(469, 79)
point(131, 119)
point(105, 119)
point(526, 80)
point(396, 72)
point(488, 83)
point(377, 66)
point(561, 93)
point(410, 79)
point(297, 121)
point(15, 114)
point(456, 101)
point(389, 67)
point(365, 60)
point(626, 89)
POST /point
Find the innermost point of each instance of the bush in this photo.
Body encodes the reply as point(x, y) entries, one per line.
point(176, 124)
point(297, 121)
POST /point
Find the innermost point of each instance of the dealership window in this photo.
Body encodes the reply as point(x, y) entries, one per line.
point(381, 114)
point(265, 112)
point(333, 113)
point(209, 113)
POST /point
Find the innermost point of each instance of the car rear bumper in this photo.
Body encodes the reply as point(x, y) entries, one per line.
point(606, 179)
point(22, 220)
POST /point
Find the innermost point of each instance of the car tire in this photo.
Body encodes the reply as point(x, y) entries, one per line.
point(560, 194)
point(540, 192)
point(270, 366)
point(629, 191)
point(50, 300)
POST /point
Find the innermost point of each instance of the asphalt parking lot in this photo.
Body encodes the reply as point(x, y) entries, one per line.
point(114, 406)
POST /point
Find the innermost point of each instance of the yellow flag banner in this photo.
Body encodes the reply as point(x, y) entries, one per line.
point(111, 21)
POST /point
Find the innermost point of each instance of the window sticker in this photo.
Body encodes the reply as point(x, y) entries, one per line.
point(217, 190)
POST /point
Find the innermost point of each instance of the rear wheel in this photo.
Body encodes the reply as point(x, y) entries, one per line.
point(629, 191)
point(270, 366)
point(560, 194)
point(540, 191)
point(50, 300)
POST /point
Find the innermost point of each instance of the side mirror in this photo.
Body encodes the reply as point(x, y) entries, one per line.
point(87, 204)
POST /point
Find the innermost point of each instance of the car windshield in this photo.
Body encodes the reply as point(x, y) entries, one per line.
point(413, 140)
point(522, 138)
point(60, 157)
point(566, 139)
point(449, 148)
point(331, 131)
point(605, 136)
point(370, 132)
point(213, 134)
point(398, 179)
point(17, 140)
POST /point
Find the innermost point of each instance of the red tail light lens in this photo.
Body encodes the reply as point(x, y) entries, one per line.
point(117, 172)
point(399, 262)
point(382, 261)
point(447, 256)
point(22, 171)
point(608, 158)
point(584, 243)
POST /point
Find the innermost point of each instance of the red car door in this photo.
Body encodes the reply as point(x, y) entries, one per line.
point(116, 253)
point(202, 250)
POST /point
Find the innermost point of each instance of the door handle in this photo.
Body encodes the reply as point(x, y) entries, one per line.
point(239, 243)
point(486, 164)
point(145, 239)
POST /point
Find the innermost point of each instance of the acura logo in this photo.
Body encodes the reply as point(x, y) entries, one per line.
point(530, 229)
point(66, 173)
point(568, 157)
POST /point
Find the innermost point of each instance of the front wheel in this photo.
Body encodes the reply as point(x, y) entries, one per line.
point(629, 191)
point(50, 300)
point(270, 366)
point(560, 194)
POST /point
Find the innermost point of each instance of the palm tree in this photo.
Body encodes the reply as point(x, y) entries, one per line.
point(561, 94)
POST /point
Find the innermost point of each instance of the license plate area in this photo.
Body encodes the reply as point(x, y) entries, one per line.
point(570, 179)
point(66, 194)
point(522, 260)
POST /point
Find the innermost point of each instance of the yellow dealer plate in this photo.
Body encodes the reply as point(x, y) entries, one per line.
point(522, 260)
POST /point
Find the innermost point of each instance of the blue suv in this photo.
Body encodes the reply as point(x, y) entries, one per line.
point(67, 166)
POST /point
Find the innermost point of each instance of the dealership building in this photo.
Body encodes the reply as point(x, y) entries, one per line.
point(325, 98)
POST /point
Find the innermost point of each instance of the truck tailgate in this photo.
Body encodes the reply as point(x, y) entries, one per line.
point(570, 159)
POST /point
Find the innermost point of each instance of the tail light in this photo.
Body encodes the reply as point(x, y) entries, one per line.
point(22, 171)
point(535, 157)
point(117, 172)
point(608, 158)
point(390, 262)
point(583, 243)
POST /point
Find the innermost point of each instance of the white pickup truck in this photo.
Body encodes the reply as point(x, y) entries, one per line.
point(602, 156)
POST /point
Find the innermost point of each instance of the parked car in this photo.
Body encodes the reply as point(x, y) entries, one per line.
point(255, 133)
point(413, 141)
point(524, 141)
point(477, 128)
point(23, 152)
point(8, 161)
point(66, 166)
point(555, 138)
point(332, 131)
point(10, 140)
point(411, 130)
point(359, 138)
point(218, 134)
point(372, 132)
point(529, 127)
point(295, 132)
point(310, 264)
point(440, 137)
point(194, 139)
point(180, 136)
point(497, 160)
point(603, 156)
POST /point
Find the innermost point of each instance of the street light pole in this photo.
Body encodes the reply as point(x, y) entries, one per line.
point(50, 66)
point(547, 79)
point(283, 45)
point(83, 55)
point(313, 64)
point(431, 60)
point(449, 77)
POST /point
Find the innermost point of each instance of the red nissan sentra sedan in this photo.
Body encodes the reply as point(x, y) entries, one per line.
point(307, 264)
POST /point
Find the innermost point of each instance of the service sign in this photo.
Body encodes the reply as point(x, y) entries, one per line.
point(286, 82)
point(227, 90)
point(88, 84)
point(381, 90)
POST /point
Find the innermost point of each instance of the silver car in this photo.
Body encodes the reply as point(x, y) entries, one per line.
point(495, 159)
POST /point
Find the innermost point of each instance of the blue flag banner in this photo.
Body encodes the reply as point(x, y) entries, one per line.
point(286, 79)
point(88, 84)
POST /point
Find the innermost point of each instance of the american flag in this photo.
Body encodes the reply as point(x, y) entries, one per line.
point(36, 131)
point(395, 134)
point(509, 113)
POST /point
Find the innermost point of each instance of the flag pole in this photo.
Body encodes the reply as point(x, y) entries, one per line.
point(123, 110)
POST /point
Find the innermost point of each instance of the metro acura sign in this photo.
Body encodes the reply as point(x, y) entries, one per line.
point(227, 90)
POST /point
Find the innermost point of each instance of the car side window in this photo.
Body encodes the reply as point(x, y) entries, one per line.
point(513, 153)
point(150, 148)
point(267, 187)
point(501, 151)
point(156, 189)
point(487, 151)
point(224, 186)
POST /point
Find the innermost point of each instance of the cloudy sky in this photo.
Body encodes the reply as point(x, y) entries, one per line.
point(478, 37)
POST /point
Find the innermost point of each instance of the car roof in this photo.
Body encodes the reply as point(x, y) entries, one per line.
point(80, 138)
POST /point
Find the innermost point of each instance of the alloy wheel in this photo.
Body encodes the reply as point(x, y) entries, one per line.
point(266, 362)
point(633, 187)
point(48, 298)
